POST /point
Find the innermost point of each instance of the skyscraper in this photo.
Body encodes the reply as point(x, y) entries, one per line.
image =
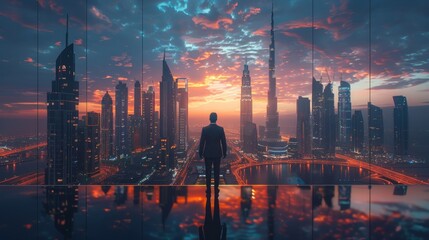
point(303, 129)
point(167, 110)
point(272, 124)
point(272, 139)
point(344, 115)
point(156, 127)
point(92, 144)
point(182, 133)
point(376, 128)
point(133, 132)
point(357, 132)
point(121, 123)
point(317, 110)
point(62, 119)
point(107, 143)
point(81, 152)
point(149, 117)
point(246, 112)
point(137, 99)
point(261, 132)
point(400, 126)
point(250, 142)
point(136, 120)
point(328, 122)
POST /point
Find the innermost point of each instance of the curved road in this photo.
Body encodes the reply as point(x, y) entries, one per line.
point(400, 178)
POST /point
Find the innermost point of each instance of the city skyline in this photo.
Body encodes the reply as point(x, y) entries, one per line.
point(323, 108)
point(191, 51)
point(325, 134)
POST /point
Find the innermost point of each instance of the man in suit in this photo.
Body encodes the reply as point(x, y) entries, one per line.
point(212, 148)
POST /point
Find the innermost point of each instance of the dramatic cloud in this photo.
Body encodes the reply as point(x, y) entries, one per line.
point(213, 24)
point(401, 83)
point(208, 41)
point(97, 13)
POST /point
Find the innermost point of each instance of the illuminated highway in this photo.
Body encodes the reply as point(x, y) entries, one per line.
point(34, 178)
point(22, 149)
point(396, 176)
point(181, 176)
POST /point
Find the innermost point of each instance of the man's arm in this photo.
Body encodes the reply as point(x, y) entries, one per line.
point(223, 140)
point(202, 143)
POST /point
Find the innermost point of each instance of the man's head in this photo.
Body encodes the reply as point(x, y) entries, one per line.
point(213, 117)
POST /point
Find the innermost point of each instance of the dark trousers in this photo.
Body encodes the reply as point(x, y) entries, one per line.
point(216, 165)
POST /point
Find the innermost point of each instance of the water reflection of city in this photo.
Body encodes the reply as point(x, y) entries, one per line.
point(258, 212)
point(306, 174)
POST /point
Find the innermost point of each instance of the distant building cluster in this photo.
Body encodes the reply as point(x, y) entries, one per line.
point(77, 147)
point(320, 130)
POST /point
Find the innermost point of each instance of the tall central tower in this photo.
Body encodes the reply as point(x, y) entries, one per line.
point(272, 124)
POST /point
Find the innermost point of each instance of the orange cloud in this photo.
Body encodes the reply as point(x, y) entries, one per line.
point(16, 18)
point(78, 41)
point(230, 8)
point(247, 14)
point(29, 60)
point(204, 56)
point(98, 14)
point(55, 7)
point(261, 31)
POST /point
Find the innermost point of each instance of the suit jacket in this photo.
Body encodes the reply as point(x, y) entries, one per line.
point(212, 142)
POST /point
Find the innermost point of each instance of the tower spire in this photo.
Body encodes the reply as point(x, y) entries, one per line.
point(272, 15)
point(163, 59)
point(67, 30)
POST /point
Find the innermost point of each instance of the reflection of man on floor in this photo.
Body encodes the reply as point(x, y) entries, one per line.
point(212, 148)
point(212, 229)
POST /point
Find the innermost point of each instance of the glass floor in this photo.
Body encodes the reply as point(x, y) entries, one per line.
point(240, 212)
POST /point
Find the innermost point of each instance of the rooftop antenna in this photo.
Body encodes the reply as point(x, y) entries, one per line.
point(164, 55)
point(327, 73)
point(245, 60)
point(67, 30)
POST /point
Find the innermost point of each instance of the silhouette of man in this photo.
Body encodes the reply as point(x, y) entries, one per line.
point(212, 148)
point(212, 229)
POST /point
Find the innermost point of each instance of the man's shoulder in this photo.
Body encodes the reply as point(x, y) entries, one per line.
point(213, 126)
point(219, 128)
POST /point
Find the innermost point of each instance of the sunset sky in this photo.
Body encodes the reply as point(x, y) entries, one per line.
point(206, 42)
